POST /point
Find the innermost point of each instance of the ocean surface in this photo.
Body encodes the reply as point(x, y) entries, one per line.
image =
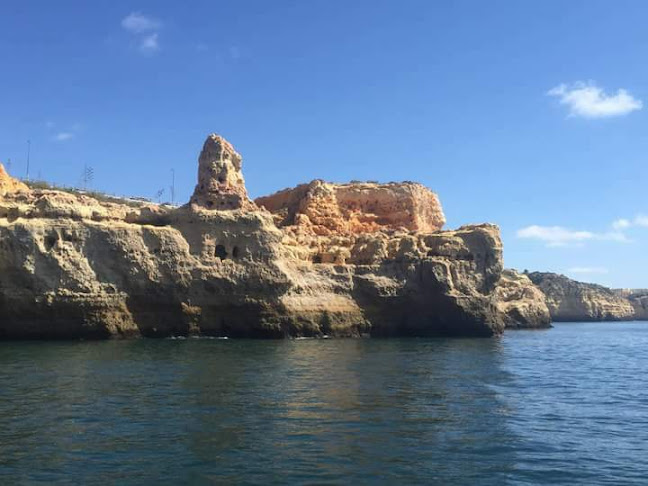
point(567, 405)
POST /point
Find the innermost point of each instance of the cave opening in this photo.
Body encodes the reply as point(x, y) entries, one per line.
point(220, 252)
point(50, 241)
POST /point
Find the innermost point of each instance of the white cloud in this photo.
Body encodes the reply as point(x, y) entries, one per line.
point(613, 236)
point(641, 220)
point(621, 224)
point(63, 136)
point(587, 270)
point(555, 236)
point(149, 44)
point(589, 101)
point(145, 30)
point(136, 23)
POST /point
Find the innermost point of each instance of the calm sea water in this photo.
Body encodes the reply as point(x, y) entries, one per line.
point(563, 406)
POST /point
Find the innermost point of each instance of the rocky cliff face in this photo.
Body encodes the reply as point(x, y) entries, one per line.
point(638, 298)
point(523, 304)
point(364, 262)
point(321, 208)
point(569, 300)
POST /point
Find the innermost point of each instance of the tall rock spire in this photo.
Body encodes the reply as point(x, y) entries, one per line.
point(220, 180)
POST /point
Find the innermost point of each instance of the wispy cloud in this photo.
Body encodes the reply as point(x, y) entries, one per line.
point(63, 136)
point(588, 270)
point(556, 236)
point(640, 221)
point(149, 43)
point(621, 224)
point(587, 100)
point(137, 23)
point(145, 30)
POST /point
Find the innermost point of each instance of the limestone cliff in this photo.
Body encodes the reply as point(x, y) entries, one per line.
point(521, 302)
point(370, 260)
point(569, 300)
point(322, 208)
point(638, 298)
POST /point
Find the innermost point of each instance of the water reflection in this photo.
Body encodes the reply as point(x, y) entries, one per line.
point(384, 410)
point(200, 410)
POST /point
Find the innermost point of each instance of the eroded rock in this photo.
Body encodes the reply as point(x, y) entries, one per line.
point(322, 208)
point(220, 179)
point(370, 260)
point(569, 300)
point(9, 185)
point(523, 304)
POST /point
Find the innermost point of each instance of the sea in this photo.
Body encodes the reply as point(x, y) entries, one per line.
point(562, 406)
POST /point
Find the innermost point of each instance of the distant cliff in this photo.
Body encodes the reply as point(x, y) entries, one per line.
point(321, 259)
point(569, 300)
point(639, 300)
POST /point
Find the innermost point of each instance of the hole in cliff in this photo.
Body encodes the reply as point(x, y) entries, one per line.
point(221, 179)
point(317, 259)
point(236, 252)
point(210, 204)
point(220, 252)
point(50, 241)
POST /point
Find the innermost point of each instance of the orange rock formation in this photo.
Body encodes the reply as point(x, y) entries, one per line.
point(325, 209)
point(220, 180)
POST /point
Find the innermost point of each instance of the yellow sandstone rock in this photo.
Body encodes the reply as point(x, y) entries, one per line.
point(321, 259)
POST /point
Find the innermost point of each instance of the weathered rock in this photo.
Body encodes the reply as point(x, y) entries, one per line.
point(322, 208)
point(9, 185)
point(74, 266)
point(638, 298)
point(569, 300)
point(522, 303)
point(220, 179)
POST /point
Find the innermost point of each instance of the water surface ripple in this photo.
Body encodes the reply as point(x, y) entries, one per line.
point(563, 406)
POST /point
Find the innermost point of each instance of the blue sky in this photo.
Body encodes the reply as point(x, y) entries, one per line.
point(510, 110)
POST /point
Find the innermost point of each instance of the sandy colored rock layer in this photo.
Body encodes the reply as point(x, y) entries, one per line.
point(572, 301)
point(73, 266)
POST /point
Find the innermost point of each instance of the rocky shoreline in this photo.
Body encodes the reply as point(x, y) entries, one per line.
point(569, 300)
point(321, 259)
